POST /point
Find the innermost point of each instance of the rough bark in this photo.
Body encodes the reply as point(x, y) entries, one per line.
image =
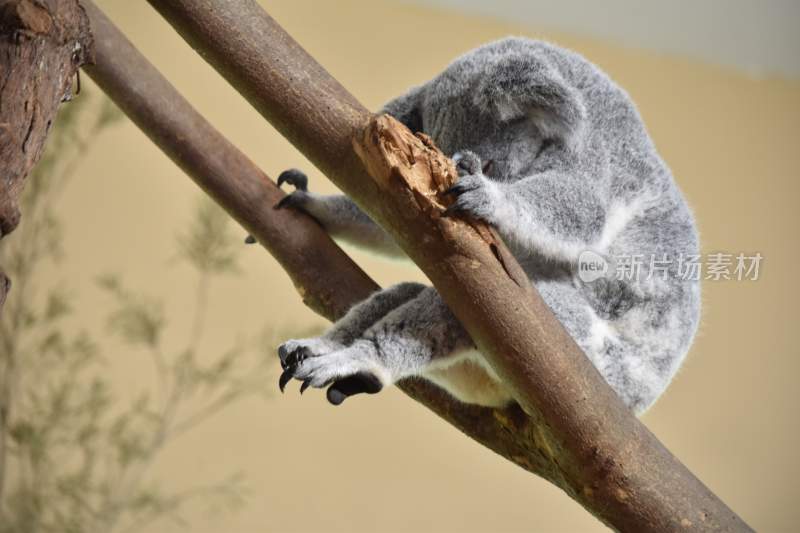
point(42, 45)
point(577, 433)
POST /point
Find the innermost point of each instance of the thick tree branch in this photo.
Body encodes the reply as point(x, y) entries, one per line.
point(579, 435)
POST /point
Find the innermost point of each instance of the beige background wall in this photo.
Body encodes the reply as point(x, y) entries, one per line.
point(383, 463)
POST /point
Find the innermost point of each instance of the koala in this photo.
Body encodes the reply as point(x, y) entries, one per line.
point(553, 155)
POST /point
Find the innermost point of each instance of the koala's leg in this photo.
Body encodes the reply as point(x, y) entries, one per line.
point(410, 339)
point(470, 380)
point(555, 213)
point(351, 326)
point(339, 215)
point(637, 353)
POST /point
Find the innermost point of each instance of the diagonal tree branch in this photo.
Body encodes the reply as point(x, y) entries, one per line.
point(579, 434)
point(327, 279)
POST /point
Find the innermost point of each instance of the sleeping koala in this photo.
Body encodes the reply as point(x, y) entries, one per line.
point(555, 157)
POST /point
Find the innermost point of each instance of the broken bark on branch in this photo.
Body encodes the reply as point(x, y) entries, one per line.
point(578, 434)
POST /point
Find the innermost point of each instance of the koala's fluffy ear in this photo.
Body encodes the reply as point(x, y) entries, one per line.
point(521, 85)
point(407, 108)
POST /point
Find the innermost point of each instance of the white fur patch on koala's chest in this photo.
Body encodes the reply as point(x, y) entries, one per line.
point(619, 215)
point(600, 332)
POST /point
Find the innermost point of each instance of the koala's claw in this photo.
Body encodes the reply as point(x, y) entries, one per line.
point(299, 181)
point(295, 356)
point(467, 163)
point(475, 196)
point(460, 187)
point(294, 177)
point(295, 351)
point(346, 371)
point(286, 376)
point(294, 199)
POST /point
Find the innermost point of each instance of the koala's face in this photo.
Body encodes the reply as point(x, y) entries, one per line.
point(506, 139)
point(502, 101)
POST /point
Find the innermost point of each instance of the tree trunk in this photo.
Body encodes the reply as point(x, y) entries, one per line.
point(42, 45)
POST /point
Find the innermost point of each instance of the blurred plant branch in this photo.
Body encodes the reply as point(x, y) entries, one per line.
point(75, 460)
point(72, 460)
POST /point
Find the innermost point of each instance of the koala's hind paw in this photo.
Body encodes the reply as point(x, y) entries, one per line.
point(349, 371)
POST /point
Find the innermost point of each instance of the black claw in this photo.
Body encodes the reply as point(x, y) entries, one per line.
point(286, 377)
point(298, 355)
point(305, 385)
point(362, 382)
point(250, 240)
point(452, 210)
point(283, 353)
point(452, 191)
point(294, 177)
point(459, 188)
point(468, 163)
point(286, 201)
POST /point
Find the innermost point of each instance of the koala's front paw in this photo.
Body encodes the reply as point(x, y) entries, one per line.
point(299, 181)
point(351, 370)
point(296, 199)
point(467, 163)
point(475, 194)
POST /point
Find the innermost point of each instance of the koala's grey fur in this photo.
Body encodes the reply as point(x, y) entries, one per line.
point(555, 156)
